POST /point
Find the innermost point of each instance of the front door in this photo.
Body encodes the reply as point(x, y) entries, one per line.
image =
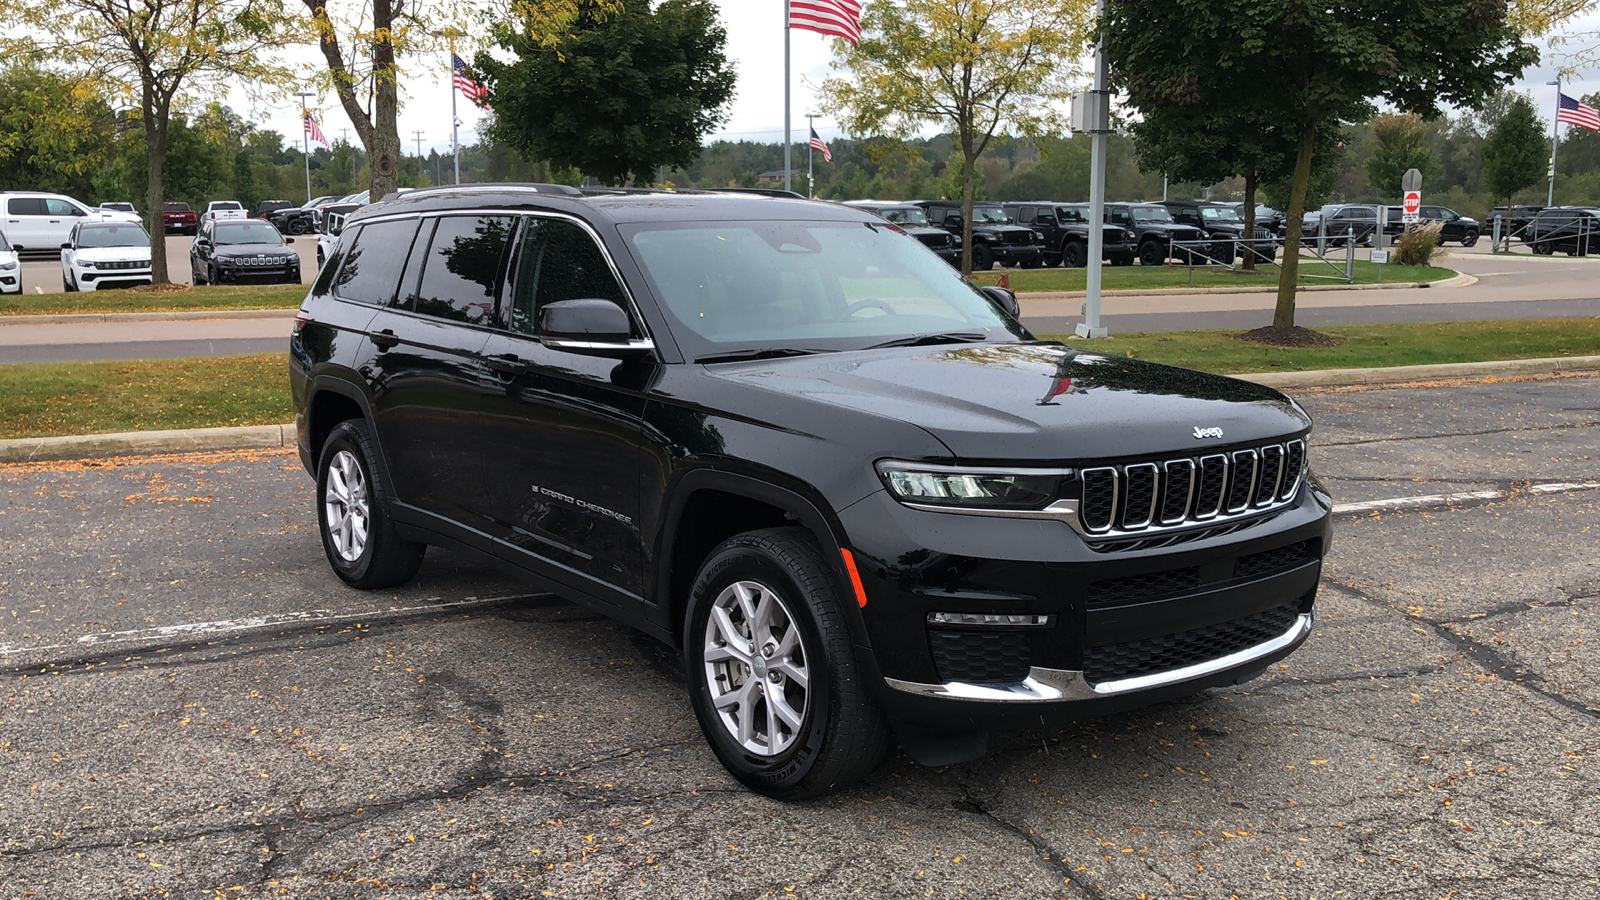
point(561, 430)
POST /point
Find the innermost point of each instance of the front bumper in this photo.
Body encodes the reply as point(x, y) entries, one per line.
point(11, 281)
point(1114, 630)
point(107, 279)
point(257, 274)
point(1016, 254)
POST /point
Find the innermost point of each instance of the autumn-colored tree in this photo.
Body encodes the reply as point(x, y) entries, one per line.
point(384, 33)
point(975, 67)
point(56, 130)
point(159, 53)
point(1401, 144)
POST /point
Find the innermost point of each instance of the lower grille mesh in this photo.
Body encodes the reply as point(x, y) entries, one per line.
point(1174, 651)
point(1138, 587)
point(980, 657)
point(1257, 564)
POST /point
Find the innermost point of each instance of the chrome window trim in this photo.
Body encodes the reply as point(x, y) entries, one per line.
point(1051, 685)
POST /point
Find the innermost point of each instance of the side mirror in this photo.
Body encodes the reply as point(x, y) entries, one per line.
point(1006, 298)
point(288, 240)
point(66, 246)
point(594, 326)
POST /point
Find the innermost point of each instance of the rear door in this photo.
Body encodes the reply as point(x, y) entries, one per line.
point(25, 223)
point(562, 430)
point(426, 367)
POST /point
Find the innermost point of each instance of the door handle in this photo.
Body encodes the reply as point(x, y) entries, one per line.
point(507, 363)
point(385, 339)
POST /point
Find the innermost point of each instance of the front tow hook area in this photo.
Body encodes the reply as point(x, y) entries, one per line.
point(933, 748)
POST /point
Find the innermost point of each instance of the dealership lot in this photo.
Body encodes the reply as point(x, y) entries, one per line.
point(192, 704)
point(43, 272)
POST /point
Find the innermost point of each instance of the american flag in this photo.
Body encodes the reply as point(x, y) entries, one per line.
point(314, 131)
point(816, 143)
point(839, 18)
point(1574, 112)
point(470, 89)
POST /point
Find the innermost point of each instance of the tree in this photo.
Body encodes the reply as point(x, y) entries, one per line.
point(1515, 152)
point(56, 131)
point(1309, 64)
point(163, 51)
point(976, 67)
point(1401, 146)
point(624, 94)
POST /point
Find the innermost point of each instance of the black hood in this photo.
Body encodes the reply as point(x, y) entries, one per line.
point(230, 251)
point(1032, 402)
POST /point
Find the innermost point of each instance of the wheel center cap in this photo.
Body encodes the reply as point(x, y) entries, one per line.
point(758, 664)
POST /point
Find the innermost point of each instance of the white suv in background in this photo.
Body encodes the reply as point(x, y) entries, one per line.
point(101, 255)
point(35, 221)
point(224, 209)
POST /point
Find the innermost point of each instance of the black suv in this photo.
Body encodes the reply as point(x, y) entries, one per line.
point(914, 221)
point(1224, 224)
point(1513, 225)
point(1573, 230)
point(853, 489)
point(1341, 223)
point(1453, 226)
point(994, 239)
point(1155, 233)
point(242, 251)
point(1065, 230)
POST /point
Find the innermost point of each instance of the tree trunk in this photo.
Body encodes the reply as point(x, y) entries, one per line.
point(385, 146)
point(1289, 274)
point(1249, 235)
point(155, 139)
point(969, 166)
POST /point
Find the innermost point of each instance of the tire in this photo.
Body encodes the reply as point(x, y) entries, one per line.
point(211, 274)
point(1469, 238)
point(297, 226)
point(195, 278)
point(67, 285)
point(982, 258)
point(352, 494)
point(1152, 254)
point(775, 582)
point(1543, 248)
point(1073, 256)
point(320, 261)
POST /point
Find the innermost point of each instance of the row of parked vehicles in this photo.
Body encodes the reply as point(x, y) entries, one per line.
point(1043, 233)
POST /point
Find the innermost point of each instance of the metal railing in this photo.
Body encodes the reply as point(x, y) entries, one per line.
point(1576, 238)
point(1208, 250)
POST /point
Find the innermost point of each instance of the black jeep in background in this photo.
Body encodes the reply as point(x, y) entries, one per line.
point(913, 220)
point(994, 240)
point(1154, 232)
point(850, 487)
point(1573, 230)
point(1224, 225)
point(1064, 228)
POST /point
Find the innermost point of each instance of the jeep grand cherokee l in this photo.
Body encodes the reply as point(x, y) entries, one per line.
point(850, 487)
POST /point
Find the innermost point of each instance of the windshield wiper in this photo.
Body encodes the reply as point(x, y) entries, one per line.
point(754, 353)
point(920, 340)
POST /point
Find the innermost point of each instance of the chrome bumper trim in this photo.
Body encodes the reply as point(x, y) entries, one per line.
point(1049, 685)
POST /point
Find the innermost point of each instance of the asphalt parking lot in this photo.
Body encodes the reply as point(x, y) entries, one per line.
point(192, 705)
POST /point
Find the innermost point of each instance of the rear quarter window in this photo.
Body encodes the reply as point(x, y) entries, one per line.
point(374, 257)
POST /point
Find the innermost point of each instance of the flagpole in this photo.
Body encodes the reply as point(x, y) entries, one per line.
point(1555, 129)
point(455, 121)
point(305, 137)
point(786, 138)
point(811, 152)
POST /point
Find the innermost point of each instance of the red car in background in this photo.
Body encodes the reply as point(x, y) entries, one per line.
point(177, 216)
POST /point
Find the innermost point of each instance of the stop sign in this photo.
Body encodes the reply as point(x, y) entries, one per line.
point(1412, 203)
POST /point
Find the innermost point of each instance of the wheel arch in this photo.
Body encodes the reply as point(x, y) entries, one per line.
point(708, 507)
point(331, 401)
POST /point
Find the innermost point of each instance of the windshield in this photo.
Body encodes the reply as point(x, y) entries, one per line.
point(4, 244)
point(993, 215)
point(113, 236)
point(226, 204)
point(905, 215)
point(175, 207)
point(806, 286)
point(248, 233)
point(1219, 214)
point(1151, 214)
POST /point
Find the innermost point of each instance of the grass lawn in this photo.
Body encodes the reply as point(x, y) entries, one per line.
point(39, 399)
point(1151, 277)
point(1407, 344)
point(210, 297)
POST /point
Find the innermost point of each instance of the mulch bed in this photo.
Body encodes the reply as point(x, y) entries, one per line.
point(1293, 336)
point(166, 288)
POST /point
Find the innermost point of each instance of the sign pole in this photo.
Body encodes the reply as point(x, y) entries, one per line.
point(1099, 122)
point(787, 166)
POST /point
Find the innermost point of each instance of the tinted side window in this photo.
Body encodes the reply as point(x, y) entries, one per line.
point(559, 262)
point(461, 274)
point(373, 262)
point(1121, 217)
point(936, 216)
point(25, 206)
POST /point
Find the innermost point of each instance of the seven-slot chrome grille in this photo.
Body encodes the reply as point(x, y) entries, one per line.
point(1140, 498)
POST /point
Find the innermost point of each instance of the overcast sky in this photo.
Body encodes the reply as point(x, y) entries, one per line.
point(755, 45)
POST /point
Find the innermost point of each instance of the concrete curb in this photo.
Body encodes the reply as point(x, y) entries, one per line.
point(1460, 280)
point(195, 316)
point(1395, 374)
point(273, 437)
point(131, 443)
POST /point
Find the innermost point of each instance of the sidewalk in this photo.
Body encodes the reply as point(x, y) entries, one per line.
point(273, 437)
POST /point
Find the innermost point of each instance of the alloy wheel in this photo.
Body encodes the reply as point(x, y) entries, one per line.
point(757, 668)
point(348, 506)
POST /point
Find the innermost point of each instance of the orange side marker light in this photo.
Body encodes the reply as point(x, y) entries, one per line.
point(855, 576)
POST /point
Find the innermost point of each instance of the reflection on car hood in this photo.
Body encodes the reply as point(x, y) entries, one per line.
point(1041, 402)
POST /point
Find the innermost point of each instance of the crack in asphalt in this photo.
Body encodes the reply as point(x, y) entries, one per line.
point(971, 804)
point(1493, 662)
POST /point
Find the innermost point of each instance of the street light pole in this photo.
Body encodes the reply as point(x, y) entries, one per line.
point(1100, 122)
point(305, 137)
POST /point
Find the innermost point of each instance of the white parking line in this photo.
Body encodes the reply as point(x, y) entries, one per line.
point(1433, 500)
point(228, 626)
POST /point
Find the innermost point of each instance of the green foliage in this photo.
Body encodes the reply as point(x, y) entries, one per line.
point(55, 130)
point(1401, 145)
point(1418, 245)
point(1515, 151)
point(623, 95)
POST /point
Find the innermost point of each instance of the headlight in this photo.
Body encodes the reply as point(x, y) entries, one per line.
point(1038, 238)
point(7, 266)
point(960, 487)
